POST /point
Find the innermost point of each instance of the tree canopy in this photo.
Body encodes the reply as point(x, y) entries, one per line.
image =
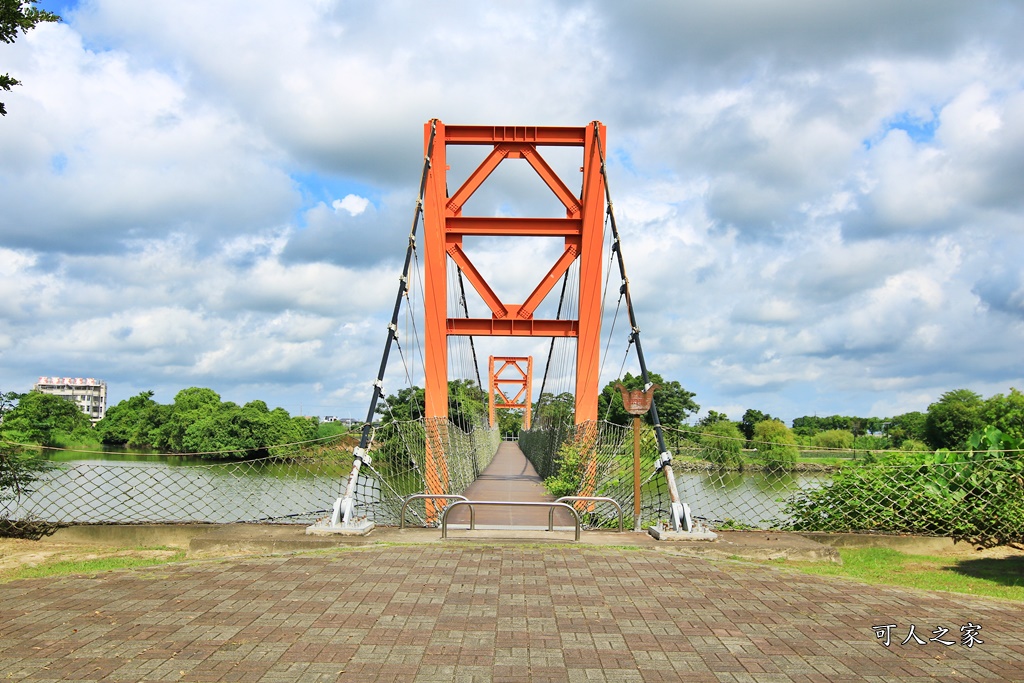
point(750, 419)
point(199, 422)
point(467, 404)
point(775, 444)
point(42, 419)
point(953, 418)
point(18, 16)
point(674, 403)
point(553, 411)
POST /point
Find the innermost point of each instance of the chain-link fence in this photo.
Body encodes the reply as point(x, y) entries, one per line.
point(300, 488)
point(972, 495)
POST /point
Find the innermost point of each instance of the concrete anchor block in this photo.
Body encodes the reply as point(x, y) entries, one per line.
point(324, 527)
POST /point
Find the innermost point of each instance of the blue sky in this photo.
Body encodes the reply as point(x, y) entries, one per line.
point(820, 201)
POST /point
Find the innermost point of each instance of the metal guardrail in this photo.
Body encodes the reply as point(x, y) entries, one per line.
point(589, 499)
point(472, 503)
point(445, 496)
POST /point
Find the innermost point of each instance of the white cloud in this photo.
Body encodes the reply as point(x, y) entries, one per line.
point(817, 204)
point(354, 204)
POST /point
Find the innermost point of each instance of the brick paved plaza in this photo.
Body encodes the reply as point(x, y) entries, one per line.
point(461, 612)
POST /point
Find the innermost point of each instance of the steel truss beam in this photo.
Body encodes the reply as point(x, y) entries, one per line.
point(445, 227)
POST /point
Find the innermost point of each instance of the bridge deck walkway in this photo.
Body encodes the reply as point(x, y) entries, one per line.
point(509, 477)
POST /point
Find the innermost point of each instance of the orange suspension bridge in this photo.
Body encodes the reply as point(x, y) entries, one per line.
point(448, 461)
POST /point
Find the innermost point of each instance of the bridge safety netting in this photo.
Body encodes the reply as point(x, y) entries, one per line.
point(973, 495)
point(976, 495)
point(295, 488)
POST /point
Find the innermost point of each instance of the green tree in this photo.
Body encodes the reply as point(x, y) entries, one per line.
point(711, 418)
point(674, 403)
point(808, 425)
point(133, 422)
point(407, 404)
point(776, 445)
point(908, 426)
point(833, 438)
point(18, 467)
point(1005, 413)
point(553, 411)
point(509, 421)
point(467, 404)
point(44, 419)
point(190, 407)
point(723, 443)
point(18, 16)
point(750, 419)
point(250, 430)
point(18, 470)
point(954, 417)
point(8, 400)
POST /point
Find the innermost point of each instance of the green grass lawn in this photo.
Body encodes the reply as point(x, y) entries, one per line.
point(988, 577)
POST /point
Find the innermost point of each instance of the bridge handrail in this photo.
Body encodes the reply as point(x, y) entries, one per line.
point(590, 499)
point(446, 496)
point(472, 503)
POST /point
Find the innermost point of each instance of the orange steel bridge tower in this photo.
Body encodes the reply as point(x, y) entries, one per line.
point(521, 380)
point(445, 226)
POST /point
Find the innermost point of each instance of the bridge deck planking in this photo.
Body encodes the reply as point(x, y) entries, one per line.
point(511, 477)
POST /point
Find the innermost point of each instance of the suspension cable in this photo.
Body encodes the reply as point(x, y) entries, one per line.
point(378, 386)
point(635, 329)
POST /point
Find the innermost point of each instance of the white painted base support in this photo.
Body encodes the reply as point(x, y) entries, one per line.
point(681, 519)
point(341, 522)
point(701, 533)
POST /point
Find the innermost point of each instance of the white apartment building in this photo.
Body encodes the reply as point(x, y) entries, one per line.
point(89, 394)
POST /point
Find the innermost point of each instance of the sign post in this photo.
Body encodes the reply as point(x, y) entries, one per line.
point(636, 404)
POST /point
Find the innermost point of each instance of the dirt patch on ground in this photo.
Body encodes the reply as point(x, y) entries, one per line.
point(968, 551)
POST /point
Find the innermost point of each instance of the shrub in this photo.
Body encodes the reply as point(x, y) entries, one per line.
point(914, 446)
point(834, 438)
point(976, 496)
point(569, 470)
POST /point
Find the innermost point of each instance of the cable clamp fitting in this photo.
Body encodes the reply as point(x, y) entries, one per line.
point(664, 459)
point(361, 455)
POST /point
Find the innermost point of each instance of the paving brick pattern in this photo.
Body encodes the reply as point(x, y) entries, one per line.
point(471, 613)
